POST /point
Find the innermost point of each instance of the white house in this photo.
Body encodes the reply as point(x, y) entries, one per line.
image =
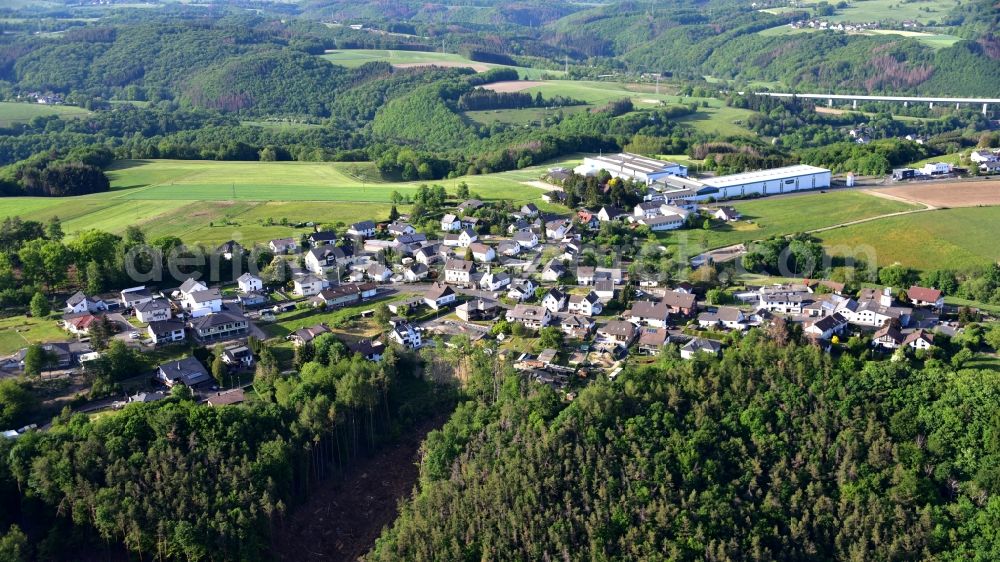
point(587, 305)
point(826, 327)
point(922, 296)
point(364, 229)
point(80, 303)
point(529, 210)
point(439, 296)
point(609, 213)
point(134, 296)
point(283, 245)
point(554, 300)
point(980, 156)
point(557, 229)
point(553, 271)
point(451, 223)
point(416, 272)
point(936, 168)
point(698, 345)
point(459, 271)
point(648, 313)
point(400, 229)
point(494, 281)
point(165, 331)
point(526, 239)
point(405, 334)
point(663, 222)
point(482, 252)
point(463, 239)
point(534, 317)
point(249, 283)
point(919, 340)
point(308, 285)
point(191, 285)
point(521, 290)
point(201, 303)
point(726, 213)
point(324, 258)
point(647, 209)
point(156, 310)
point(378, 272)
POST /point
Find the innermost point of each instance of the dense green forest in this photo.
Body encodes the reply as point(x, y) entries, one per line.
point(183, 481)
point(776, 451)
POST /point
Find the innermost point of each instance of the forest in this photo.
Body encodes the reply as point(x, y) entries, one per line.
point(776, 451)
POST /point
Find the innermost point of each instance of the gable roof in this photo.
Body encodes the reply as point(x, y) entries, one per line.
point(924, 294)
point(649, 309)
point(701, 344)
point(459, 265)
point(438, 291)
point(678, 300)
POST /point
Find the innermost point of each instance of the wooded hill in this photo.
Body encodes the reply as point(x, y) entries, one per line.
point(775, 452)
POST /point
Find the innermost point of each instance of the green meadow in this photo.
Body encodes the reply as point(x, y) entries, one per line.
point(356, 57)
point(21, 112)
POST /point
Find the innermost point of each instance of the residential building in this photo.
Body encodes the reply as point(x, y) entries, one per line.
point(363, 229)
point(459, 271)
point(727, 214)
point(494, 281)
point(405, 334)
point(653, 340)
point(647, 209)
point(482, 252)
point(534, 317)
point(617, 332)
point(324, 258)
point(378, 272)
point(576, 325)
point(451, 223)
point(80, 324)
point(605, 290)
point(153, 311)
point(679, 303)
point(303, 336)
point(554, 300)
point(888, 337)
point(220, 326)
point(238, 356)
point(187, 371)
point(663, 222)
point(249, 283)
point(200, 303)
point(80, 303)
point(725, 316)
point(416, 272)
point(922, 296)
point(697, 346)
point(428, 254)
point(322, 238)
point(508, 248)
point(526, 239)
point(345, 294)
point(826, 327)
point(471, 223)
point(478, 310)
point(283, 245)
point(165, 331)
point(470, 205)
point(553, 271)
point(648, 313)
point(308, 285)
point(371, 350)
point(251, 299)
point(230, 249)
point(135, 295)
point(587, 305)
point(229, 397)
point(439, 296)
point(557, 229)
point(398, 229)
point(521, 290)
point(609, 213)
point(919, 339)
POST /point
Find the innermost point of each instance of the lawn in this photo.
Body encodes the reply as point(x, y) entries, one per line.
point(345, 320)
point(18, 331)
point(18, 112)
point(250, 201)
point(775, 216)
point(943, 239)
point(356, 57)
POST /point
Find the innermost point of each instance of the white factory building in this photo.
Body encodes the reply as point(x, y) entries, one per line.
point(631, 167)
point(762, 182)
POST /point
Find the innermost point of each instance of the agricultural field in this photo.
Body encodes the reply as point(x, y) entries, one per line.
point(932, 40)
point(926, 12)
point(210, 202)
point(942, 239)
point(16, 112)
point(775, 216)
point(528, 116)
point(944, 193)
point(356, 57)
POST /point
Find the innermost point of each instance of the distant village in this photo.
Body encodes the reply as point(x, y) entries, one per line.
point(535, 280)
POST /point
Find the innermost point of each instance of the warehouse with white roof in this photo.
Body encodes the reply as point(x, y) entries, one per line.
point(762, 182)
point(631, 167)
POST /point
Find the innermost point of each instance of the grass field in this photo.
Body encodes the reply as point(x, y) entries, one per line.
point(211, 202)
point(18, 331)
point(15, 112)
point(767, 217)
point(932, 40)
point(356, 57)
point(520, 116)
point(950, 238)
point(926, 12)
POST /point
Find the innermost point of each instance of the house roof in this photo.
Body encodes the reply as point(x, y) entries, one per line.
point(678, 300)
point(919, 335)
point(449, 218)
point(701, 344)
point(459, 265)
point(153, 305)
point(890, 332)
point(282, 242)
point(924, 294)
point(165, 327)
point(830, 322)
point(308, 334)
point(656, 337)
point(76, 299)
point(555, 293)
point(590, 297)
point(618, 328)
point(188, 371)
point(227, 397)
point(649, 309)
point(524, 236)
point(205, 296)
point(209, 321)
point(363, 225)
point(729, 314)
point(247, 277)
point(438, 291)
point(527, 312)
point(479, 248)
point(323, 236)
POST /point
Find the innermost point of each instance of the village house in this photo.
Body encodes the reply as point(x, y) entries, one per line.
point(378, 273)
point(726, 213)
point(80, 303)
point(322, 238)
point(553, 271)
point(416, 272)
point(826, 327)
point(482, 252)
point(187, 371)
point(576, 325)
point(459, 271)
point(609, 213)
point(283, 245)
point(587, 275)
point(223, 325)
point(875, 308)
point(526, 239)
point(919, 339)
point(653, 340)
point(229, 397)
point(397, 229)
point(405, 334)
point(451, 223)
point(153, 311)
point(249, 283)
point(428, 254)
point(371, 350)
point(345, 294)
point(605, 290)
point(696, 346)
point(477, 310)
point(557, 229)
point(534, 317)
point(980, 156)
point(165, 331)
point(663, 222)
point(725, 316)
point(588, 219)
point(921, 296)
point(529, 210)
point(648, 313)
point(134, 296)
point(471, 223)
point(494, 281)
point(363, 229)
point(521, 289)
point(80, 324)
point(617, 332)
point(554, 300)
point(520, 225)
point(237, 356)
point(308, 285)
point(439, 296)
point(201, 303)
point(679, 303)
point(463, 239)
point(470, 205)
point(321, 260)
point(508, 248)
point(303, 336)
point(647, 209)
point(888, 337)
point(587, 305)
point(229, 249)
point(251, 299)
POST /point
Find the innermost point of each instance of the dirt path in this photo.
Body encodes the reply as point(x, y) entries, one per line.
point(891, 197)
point(342, 519)
point(870, 219)
point(542, 185)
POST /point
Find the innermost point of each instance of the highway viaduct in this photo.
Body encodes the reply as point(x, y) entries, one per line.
point(830, 98)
